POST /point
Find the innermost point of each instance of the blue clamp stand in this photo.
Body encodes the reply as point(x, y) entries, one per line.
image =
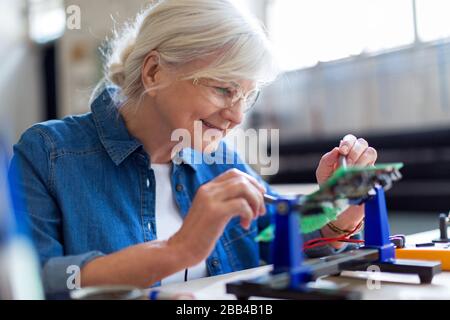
point(287, 255)
point(376, 227)
point(376, 236)
point(289, 262)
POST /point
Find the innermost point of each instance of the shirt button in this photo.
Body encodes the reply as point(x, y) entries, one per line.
point(148, 183)
point(215, 263)
point(179, 187)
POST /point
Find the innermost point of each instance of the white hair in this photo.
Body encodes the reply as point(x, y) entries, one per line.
point(183, 31)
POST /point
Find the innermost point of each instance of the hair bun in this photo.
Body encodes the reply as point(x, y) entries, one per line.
point(117, 69)
point(117, 74)
point(126, 53)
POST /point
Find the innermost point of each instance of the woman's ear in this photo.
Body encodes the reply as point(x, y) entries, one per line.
point(150, 72)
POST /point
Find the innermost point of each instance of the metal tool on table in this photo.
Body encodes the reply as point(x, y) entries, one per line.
point(342, 161)
point(443, 225)
point(436, 250)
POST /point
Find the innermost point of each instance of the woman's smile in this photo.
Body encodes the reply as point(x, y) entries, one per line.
point(208, 126)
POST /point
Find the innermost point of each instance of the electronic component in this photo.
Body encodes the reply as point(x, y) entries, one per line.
point(347, 186)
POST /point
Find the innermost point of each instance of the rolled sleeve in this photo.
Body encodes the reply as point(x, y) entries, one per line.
point(59, 273)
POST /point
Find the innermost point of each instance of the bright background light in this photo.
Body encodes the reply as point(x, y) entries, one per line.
point(306, 32)
point(433, 19)
point(47, 20)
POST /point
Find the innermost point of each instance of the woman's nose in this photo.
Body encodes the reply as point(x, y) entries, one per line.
point(234, 114)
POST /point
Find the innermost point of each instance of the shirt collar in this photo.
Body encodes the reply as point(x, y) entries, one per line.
point(114, 135)
point(111, 127)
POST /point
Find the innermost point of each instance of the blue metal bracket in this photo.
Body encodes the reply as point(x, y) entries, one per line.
point(287, 256)
point(376, 227)
point(287, 253)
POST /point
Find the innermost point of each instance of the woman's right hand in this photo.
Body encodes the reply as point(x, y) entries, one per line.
point(233, 193)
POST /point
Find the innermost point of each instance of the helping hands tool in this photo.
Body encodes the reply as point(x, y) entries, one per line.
point(292, 275)
point(347, 186)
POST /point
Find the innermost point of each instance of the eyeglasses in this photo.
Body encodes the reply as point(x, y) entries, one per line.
point(225, 96)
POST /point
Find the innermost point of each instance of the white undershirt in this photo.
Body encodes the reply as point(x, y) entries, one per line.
point(169, 220)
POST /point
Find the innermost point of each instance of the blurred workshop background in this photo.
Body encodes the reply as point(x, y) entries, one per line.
point(378, 69)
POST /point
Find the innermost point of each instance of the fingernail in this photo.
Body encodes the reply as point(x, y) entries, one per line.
point(345, 149)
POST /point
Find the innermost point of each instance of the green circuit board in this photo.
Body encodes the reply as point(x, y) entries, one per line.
point(355, 182)
point(347, 186)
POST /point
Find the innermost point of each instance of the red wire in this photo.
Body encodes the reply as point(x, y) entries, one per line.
point(324, 241)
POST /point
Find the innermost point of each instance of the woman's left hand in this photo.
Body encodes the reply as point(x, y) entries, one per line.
point(358, 152)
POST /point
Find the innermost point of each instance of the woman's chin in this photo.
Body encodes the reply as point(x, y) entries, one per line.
point(209, 147)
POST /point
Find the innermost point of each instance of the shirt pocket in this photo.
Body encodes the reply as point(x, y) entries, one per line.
point(235, 232)
point(240, 245)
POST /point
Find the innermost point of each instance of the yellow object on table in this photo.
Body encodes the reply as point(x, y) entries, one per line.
point(436, 253)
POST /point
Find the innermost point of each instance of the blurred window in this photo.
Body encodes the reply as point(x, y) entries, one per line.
point(46, 20)
point(433, 20)
point(306, 32)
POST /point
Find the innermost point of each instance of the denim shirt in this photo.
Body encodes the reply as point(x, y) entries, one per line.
point(88, 190)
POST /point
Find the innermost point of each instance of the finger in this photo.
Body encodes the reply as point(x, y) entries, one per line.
point(240, 207)
point(240, 187)
point(232, 173)
point(368, 157)
point(329, 159)
point(357, 150)
point(260, 188)
point(346, 144)
point(327, 165)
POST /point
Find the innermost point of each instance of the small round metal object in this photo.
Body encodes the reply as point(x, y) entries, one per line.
point(179, 187)
point(108, 293)
point(215, 262)
point(282, 208)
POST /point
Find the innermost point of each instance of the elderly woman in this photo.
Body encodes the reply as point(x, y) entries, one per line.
point(103, 191)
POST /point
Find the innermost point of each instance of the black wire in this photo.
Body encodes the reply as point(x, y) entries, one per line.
point(185, 274)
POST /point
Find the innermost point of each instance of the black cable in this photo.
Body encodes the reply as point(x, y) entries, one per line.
point(185, 275)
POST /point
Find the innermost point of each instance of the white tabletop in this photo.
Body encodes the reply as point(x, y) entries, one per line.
point(393, 286)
